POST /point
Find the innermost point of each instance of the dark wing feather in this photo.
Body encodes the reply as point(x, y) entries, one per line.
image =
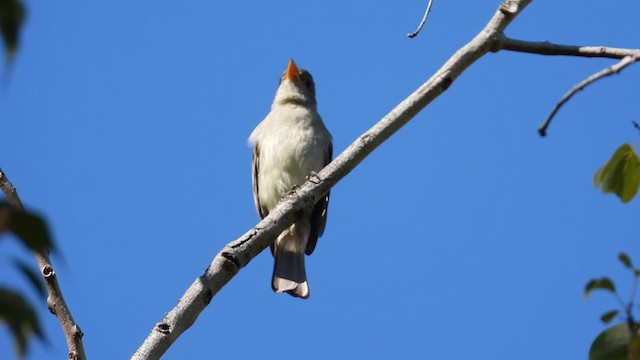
point(262, 211)
point(319, 213)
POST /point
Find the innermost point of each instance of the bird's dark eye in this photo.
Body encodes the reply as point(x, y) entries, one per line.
point(308, 82)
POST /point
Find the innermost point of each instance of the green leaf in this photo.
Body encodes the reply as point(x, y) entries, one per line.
point(612, 343)
point(30, 228)
point(12, 15)
point(21, 319)
point(626, 260)
point(621, 174)
point(608, 316)
point(33, 276)
point(603, 174)
point(599, 284)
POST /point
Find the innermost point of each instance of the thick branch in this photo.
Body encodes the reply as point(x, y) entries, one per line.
point(238, 253)
point(55, 300)
point(547, 48)
point(614, 69)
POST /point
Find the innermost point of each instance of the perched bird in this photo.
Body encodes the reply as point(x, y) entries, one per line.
point(290, 144)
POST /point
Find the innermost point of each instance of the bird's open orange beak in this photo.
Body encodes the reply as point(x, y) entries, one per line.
point(292, 71)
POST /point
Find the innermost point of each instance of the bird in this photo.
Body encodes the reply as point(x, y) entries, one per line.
point(289, 145)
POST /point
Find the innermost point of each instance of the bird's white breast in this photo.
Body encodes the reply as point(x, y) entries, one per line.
point(292, 142)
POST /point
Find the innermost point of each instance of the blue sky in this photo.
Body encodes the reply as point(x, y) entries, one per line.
point(466, 235)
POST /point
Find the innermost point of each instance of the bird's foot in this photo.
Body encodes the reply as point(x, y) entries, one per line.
point(314, 178)
point(293, 190)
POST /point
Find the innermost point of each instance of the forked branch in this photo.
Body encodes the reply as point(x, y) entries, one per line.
point(628, 56)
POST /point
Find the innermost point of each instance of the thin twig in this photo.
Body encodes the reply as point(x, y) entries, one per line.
point(614, 69)
point(55, 300)
point(424, 20)
point(237, 254)
point(547, 48)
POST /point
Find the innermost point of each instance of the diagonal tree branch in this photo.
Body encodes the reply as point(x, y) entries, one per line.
point(238, 253)
point(55, 300)
point(614, 69)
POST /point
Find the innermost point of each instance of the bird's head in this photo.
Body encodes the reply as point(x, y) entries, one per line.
point(296, 87)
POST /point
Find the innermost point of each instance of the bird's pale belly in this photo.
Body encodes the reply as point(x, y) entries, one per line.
point(285, 165)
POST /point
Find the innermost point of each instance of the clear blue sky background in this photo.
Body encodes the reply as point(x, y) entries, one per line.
point(464, 236)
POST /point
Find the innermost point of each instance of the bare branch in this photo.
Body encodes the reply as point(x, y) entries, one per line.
point(10, 192)
point(238, 253)
point(614, 69)
point(424, 20)
point(628, 57)
point(547, 48)
point(55, 300)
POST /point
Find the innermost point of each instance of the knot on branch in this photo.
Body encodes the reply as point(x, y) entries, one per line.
point(314, 178)
point(366, 138)
point(77, 333)
point(48, 271)
point(51, 305)
point(231, 258)
point(208, 296)
point(446, 82)
point(509, 7)
point(163, 328)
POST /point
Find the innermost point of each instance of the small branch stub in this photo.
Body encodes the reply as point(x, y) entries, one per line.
point(48, 271)
point(509, 7)
point(77, 332)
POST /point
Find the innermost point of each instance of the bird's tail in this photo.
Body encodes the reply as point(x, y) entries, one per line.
point(289, 274)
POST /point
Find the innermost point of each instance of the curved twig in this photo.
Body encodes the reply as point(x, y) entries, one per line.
point(55, 300)
point(614, 69)
point(424, 20)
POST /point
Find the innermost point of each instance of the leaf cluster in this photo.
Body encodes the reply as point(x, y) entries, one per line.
point(621, 341)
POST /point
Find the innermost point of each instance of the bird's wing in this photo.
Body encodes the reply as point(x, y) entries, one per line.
point(262, 211)
point(319, 213)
